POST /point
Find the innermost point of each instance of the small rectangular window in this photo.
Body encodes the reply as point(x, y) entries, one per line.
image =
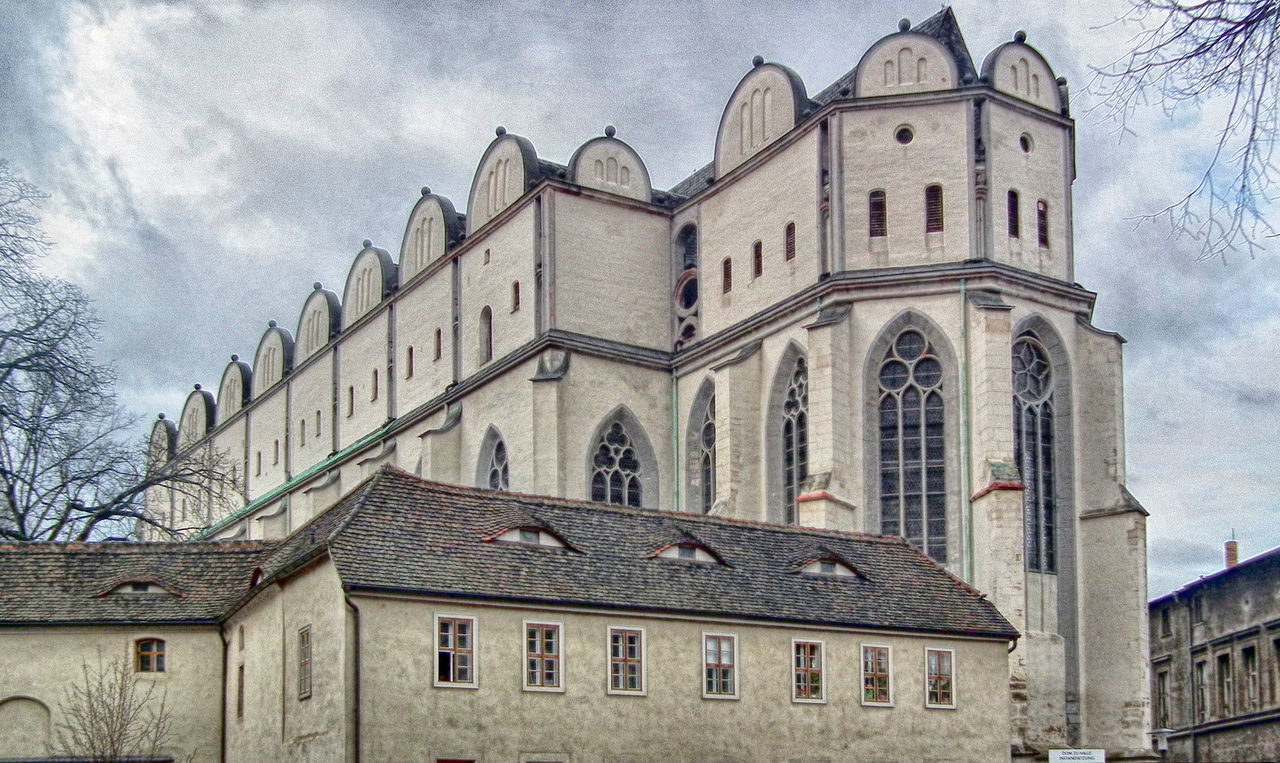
point(878, 212)
point(439, 344)
point(1042, 223)
point(257, 465)
point(933, 209)
point(789, 241)
point(1166, 627)
point(275, 453)
point(373, 386)
point(877, 687)
point(351, 401)
point(757, 259)
point(806, 664)
point(1015, 224)
point(626, 661)
point(408, 363)
point(1226, 686)
point(302, 433)
point(455, 651)
point(317, 423)
point(726, 275)
point(150, 656)
point(304, 662)
point(1200, 691)
point(515, 296)
point(939, 678)
point(240, 691)
point(1162, 700)
point(542, 656)
point(720, 669)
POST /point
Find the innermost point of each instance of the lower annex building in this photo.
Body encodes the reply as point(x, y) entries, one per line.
point(861, 315)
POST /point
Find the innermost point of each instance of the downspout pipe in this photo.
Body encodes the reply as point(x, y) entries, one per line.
point(222, 721)
point(355, 674)
point(966, 435)
point(675, 442)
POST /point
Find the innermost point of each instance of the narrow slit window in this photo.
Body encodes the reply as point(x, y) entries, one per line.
point(726, 275)
point(439, 343)
point(789, 241)
point(317, 424)
point(408, 363)
point(877, 210)
point(757, 259)
point(275, 453)
point(1015, 223)
point(515, 296)
point(486, 335)
point(373, 386)
point(302, 433)
point(351, 401)
point(1042, 223)
point(933, 209)
point(304, 662)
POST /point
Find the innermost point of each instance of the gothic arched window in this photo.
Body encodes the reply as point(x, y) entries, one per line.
point(795, 436)
point(497, 467)
point(615, 469)
point(1033, 450)
point(707, 455)
point(913, 495)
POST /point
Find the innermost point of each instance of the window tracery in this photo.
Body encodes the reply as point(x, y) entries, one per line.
point(912, 470)
point(707, 455)
point(499, 478)
point(1033, 437)
point(615, 475)
point(795, 436)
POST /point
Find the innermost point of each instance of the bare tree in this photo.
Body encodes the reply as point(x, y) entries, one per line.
point(1190, 55)
point(110, 715)
point(71, 466)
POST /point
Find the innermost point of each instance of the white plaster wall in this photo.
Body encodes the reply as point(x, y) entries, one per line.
point(610, 165)
point(503, 169)
point(361, 351)
point(757, 207)
point(511, 258)
point(906, 63)
point(766, 95)
point(504, 403)
point(423, 307)
point(612, 277)
point(873, 159)
point(1032, 81)
point(312, 391)
point(499, 721)
point(266, 427)
point(51, 660)
point(425, 239)
point(1041, 174)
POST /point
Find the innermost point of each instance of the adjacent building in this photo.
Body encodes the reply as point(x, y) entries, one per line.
point(420, 621)
point(1215, 662)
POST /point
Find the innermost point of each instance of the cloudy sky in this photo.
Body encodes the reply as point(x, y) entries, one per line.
point(207, 162)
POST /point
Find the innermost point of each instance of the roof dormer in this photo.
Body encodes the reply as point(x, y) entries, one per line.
point(531, 536)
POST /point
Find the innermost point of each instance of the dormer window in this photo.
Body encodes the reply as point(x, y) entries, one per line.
point(688, 552)
point(531, 536)
point(134, 587)
point(828, 568)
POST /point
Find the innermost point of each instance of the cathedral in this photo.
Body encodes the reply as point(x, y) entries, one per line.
point(860, 316)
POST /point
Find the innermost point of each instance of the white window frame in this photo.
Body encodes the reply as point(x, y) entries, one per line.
point(822, 671)
point(474, 683)
point(643, 691)
point(737, 659)
point(862, 674)
point(954, 691)
point(524, 656)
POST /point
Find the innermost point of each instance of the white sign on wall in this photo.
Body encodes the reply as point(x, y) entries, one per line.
point(1077, 756)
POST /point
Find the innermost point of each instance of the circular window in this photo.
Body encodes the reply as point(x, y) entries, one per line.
point(904, 135)
point(1026, 143)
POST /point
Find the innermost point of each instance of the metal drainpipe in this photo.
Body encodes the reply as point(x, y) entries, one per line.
point(355, 678)
point(675, 442)
point(965, 435)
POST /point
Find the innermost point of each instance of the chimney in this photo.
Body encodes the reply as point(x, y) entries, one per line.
point(1232, 551)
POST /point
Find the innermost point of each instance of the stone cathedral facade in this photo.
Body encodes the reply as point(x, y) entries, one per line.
point(861, 315)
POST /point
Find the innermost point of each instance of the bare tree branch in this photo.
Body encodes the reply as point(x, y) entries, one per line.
point(1195, 55)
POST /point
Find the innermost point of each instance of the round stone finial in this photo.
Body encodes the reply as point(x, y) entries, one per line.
point(500, 131)
point(366, 243)
point(1062, 81)
point(198, 387)
point(271, 324)
point(426, 190)
point(234, 357)
point(610, 131)
point(904, 24)
point(161, 417)
point(1019, 36)
point(317, 286)
point(757, 60)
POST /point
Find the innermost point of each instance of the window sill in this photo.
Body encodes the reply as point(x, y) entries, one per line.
point(865, 703)
point(628, 692)
point(454, 685)
point(544, 689)
point(939, 707)
point(807, 701)
point(733, 697)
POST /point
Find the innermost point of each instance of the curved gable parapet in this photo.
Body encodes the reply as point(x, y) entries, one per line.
point(274, 358)
point(906, 62)
point(199, 414)
point(372, 277)
point(1018, 69)
point(163, 443)
point(320, 321)
point(502, 177)
point(434, 227)
point(234, 389)
point(766, 104)
point(608, 164)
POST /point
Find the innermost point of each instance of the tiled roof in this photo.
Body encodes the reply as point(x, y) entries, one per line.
point(397, 532)
point(66, 583)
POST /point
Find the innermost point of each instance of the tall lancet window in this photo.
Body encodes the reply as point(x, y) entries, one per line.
point(1033, 450)
point(707, 456)
point(615, 469)
point(795, 437)
point(913, 490)
point(498, 479)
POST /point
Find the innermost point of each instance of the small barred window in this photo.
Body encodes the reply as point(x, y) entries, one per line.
point(1015, 223)
point(933, 209)
point(615, 476)
point(726, 275)
point(877, 209)
point(1042, 222)
point(757, 260)
point(789, 241)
